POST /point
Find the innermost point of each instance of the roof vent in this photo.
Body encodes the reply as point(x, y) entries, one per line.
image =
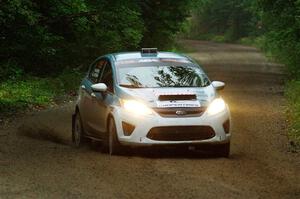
point(149, 51)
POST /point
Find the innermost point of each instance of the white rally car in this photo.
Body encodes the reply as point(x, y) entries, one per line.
point(150, 98)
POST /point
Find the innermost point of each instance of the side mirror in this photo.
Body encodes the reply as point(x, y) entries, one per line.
point(218, 85)
point(100, 87)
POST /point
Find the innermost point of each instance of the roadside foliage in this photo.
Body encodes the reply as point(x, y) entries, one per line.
point(42, 39)
point(48, 36)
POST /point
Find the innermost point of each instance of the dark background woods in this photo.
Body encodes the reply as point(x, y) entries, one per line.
point(45, 37)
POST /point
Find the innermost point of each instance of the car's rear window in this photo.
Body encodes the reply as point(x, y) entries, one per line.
point(160, 74)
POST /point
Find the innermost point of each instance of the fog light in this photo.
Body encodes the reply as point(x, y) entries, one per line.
point(127, 128)
point(226, 126)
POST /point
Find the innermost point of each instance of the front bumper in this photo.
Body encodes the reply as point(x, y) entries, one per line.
point(143, 124)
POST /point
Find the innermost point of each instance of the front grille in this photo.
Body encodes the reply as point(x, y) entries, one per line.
point(181, 133)
point(180, 112)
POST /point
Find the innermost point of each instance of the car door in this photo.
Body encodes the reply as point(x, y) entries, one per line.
point(88, 96)
point(101, 102)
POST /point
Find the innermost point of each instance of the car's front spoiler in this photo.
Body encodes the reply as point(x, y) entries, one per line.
point(151, 143)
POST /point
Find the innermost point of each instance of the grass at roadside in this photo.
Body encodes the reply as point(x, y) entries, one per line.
point(30, 91)
point(293, 96)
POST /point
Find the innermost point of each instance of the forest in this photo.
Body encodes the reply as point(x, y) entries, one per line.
point(46, 45)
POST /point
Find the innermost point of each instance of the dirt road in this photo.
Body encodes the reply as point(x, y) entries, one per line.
point(37, 161)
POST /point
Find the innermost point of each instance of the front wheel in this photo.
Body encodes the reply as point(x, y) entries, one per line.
point(114, 146)
point(77, 134)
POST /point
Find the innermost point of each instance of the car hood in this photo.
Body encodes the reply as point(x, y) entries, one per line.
point(150, 96)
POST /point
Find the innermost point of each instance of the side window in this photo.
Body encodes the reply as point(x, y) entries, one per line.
point(107, 77)
point(96, 70)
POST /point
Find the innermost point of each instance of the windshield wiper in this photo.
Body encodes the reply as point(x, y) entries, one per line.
point(130, 86)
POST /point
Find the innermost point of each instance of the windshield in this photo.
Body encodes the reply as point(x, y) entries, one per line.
point(166, 75)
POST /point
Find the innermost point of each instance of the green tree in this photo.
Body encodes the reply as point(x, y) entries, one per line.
point(46, 36)
point(163, 19)
point(282, 23)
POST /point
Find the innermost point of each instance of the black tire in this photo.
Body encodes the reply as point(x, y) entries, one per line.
point(223, 150)
point(77, 134)
point(112, 144)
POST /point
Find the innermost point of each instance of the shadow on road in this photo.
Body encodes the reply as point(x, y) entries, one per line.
point(167, 152)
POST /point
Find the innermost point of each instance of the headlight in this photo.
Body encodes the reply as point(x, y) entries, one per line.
point(136, 107)
point(216, 106)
